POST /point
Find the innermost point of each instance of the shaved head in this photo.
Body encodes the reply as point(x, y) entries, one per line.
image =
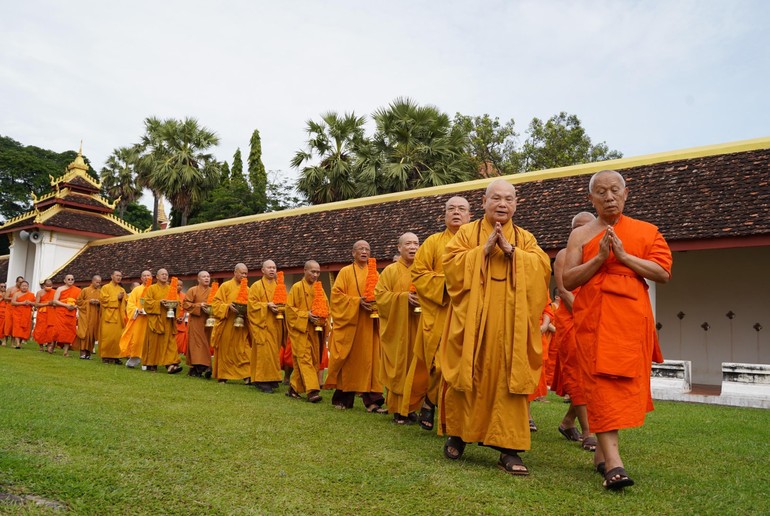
point(204, 279)
point(269, 270)
point(501, 185)
point(240, 272)
point(310, 264)
point(499, 202)
point(594, 177)
point(312, 271)
point(361, 252)
point(582, 218)
point(146, 275)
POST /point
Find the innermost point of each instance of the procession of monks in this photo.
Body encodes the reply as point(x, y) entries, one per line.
point(456, 334)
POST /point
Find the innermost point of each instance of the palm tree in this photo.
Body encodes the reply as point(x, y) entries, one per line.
point(118, 177)
point(333, 142)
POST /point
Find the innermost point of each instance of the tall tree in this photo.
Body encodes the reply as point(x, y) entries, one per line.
point(257, 173)
point(236, 171)
point(225, 175)
point(138, 215)
point(327, 164)
point(559, 142)
point(119, 179)
point(280, 192)
point(492, 145)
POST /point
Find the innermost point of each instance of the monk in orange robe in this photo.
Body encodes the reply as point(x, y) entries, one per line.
point(44, 305)
point(181, 323)
point(610, 259)
point(567, 377)
point(198, 354)
point(424, 376)
point(549, 365)
point(305, 340)
point(267, 331)
point(160, 338)
point(399, 323)
point(22, 303)
point(3, 314)
point(7, 295)
point(541, 391)
point(287, 364)
point(65, 315)
point(132, 339)
point(232, 346)
point(354, 365)
point(89, 318)
point(112, 298)
point(491, 352)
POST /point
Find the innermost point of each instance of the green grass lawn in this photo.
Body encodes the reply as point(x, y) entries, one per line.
point(104, 439)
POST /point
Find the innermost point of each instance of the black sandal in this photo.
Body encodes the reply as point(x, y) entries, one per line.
point(314, 397)
point(427, 416)
point(291, 393)
point(619, 483)
point(509, 462)
point(455, 443)
point(376, 409)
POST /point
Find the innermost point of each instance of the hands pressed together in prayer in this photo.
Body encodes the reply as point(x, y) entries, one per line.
point(496, 238)
point(611, 242)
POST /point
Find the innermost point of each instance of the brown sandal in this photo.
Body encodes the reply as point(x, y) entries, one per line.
point(509, 463)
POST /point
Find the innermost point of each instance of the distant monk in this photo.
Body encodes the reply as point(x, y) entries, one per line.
point(541, 391)
point(65, 315)
point(89, 311)
point(22, 303)
point(7, 295)
point(198, 353)
point(113, 318)
point(306, 342)
point(609, 259)
point(232, 352)
point(4, 312)
point(132, 340)
point(181, 323)
point(44, 304)
point(398, 329)
point(491, 353)
point(428, 279)
point(160, 338)
point(567, 377)
point(267, 332)
point(354, 363)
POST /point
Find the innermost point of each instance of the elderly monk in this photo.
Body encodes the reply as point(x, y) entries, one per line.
point(44, 304)
point(424, 376)
point(113, 318)
point(89, 315)
point(181, 323)
point(232, 353)
point(132, 340)
point(610, 259)
point(567, 380)
point(4, 312)
point(306, 341)
point(7, 295)
point(22, 303)
point(198, 353)
point(160, 338)
point(65, 315)
point(354, 363)
point(491, 355)
point(398, 329)
point(267, 332)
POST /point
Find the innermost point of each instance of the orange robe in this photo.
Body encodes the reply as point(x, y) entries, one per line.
point(354, 363)
point(549, 365)
point(267, 333)
point(198, 336)
point(160, 338)
point(65, 321)
point(113, 320)
point(21, 317)
point(286, 360)
point(4, 315)
point(615, 330)
point(181, 327)
point(307, 343)
point(567, 377)
point(132, 340)
point(398, 332)
point(491, 351)
point(42, 333)
point(88, 319)
point(5, 329)
point(542, 386)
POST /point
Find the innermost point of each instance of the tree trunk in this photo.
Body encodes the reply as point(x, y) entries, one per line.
point(156, 197)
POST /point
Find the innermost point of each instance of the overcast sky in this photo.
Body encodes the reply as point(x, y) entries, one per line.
point(643, 76)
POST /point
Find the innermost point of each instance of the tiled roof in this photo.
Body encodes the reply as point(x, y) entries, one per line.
point(85, 222)
point(712, 197)
point(79, 199)
point(81, 184)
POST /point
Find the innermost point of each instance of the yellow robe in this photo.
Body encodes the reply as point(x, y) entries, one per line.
point(132, 340)
point(199, 337)
point(267, 334)
point(160, 338)
point(354, 355)
point(113, 320)
point(306, 342)
point(88, 319)
point(232, 355)
point(491, 352)
point(398, 329)
point(424, 376)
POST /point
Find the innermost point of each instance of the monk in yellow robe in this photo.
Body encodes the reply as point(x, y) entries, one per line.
point(89, 318)
point(267, 332)
point(306, 342)
point(64, 318)
point(160, 338)
point(609, 259)
point(198, 355)
point(113, 318)
point(132, 339)
point(354, 362)
point(232, 352)
point(399, 323)
point(7, 296)
point(3, 314)
point(44, 305)
point(424, 376)
point(491, 355)
point(22, 303)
